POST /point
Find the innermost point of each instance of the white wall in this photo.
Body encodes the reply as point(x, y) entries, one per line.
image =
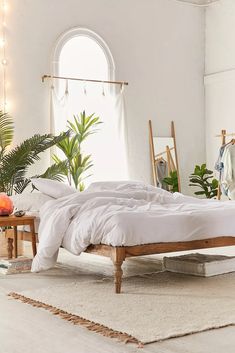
point(220, 74)
point(158, 46)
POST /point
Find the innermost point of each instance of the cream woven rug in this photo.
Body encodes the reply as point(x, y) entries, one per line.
point(151, 308)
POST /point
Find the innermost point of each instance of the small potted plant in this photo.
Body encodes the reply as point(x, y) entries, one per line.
point(204, 180)
point(172, 181)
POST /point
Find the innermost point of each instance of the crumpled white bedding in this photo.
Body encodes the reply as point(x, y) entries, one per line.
point(30, 202)
point(127, 214)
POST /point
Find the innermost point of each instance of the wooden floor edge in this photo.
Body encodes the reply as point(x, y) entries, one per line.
point(77, 320)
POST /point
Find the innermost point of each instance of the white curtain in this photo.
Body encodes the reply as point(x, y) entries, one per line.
point(108, 146)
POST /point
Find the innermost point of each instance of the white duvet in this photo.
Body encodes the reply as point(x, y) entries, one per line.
point(127, 214)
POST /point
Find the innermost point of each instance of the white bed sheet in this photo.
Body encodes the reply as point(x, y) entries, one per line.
point(36, 222)
point(129, 214)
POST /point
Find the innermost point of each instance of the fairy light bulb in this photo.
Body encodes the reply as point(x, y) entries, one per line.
point(4, 62)
point(2, 42)
point(7, 105)
point(4, 6)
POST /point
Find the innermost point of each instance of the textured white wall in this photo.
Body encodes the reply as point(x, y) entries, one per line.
point(158, 46)
point(220, 78)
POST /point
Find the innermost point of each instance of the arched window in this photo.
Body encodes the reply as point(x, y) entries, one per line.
point(82, 56)
point(81, 53)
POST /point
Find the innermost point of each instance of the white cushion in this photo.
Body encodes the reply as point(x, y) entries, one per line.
point(53, 188)
point(31, 204)
point(29, 201)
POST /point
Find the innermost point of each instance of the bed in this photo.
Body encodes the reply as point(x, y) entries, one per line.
point(127, 219)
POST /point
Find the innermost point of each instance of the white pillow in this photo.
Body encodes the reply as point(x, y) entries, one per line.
point(111, 185)
point(126, 185)
point(29, 201)
point(53, 188)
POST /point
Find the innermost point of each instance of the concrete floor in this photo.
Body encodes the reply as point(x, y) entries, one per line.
point(26, 329)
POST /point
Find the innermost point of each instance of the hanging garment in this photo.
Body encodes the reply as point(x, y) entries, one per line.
point(162, 172)
point(219, 166)
point(228, 177)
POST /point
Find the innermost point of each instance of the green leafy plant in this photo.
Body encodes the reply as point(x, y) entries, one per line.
point(77, 164)
point(172, 181)
point(14, 163)
point(203, 179)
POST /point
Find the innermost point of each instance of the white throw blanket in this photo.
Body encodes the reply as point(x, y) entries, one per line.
point(128, 214)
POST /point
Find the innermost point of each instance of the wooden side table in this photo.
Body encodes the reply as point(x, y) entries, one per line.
point(13, 221)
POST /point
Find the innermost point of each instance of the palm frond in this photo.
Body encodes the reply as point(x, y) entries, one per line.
point(69, 146)
point(21, 185)
point(6, 131)
point(56, 171)
point(15, 164)
point(83, 125)
point(78, 166)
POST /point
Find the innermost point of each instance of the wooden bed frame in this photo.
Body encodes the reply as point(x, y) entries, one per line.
point(119, 254)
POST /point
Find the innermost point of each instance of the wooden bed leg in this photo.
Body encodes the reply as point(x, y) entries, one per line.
point(118, 276)
point(118, 256)
point(10, 248)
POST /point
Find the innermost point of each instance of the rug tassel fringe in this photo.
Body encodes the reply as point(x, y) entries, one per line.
point(77, 320)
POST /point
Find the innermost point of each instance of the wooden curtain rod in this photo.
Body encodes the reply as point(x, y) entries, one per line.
point(44, 77)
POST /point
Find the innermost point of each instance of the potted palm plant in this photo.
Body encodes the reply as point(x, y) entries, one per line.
point(77, 163)
point(14, 163)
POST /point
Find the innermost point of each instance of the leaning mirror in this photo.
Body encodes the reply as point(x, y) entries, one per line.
point(164, 159)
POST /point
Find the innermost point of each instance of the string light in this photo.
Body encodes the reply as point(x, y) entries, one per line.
point(2, 42)
point(4, 61)
point(4, 6)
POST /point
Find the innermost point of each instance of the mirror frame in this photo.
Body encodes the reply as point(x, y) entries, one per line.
point(153, 156)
